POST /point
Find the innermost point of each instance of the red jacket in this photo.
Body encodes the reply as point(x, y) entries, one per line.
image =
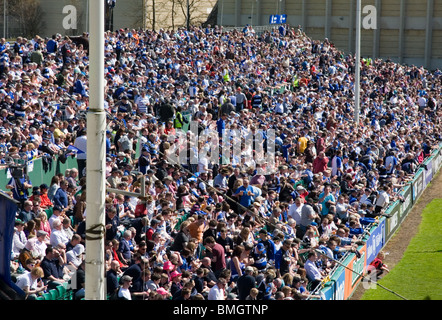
point(320, 165)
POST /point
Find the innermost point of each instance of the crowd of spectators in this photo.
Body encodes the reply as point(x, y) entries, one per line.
point(211, 230)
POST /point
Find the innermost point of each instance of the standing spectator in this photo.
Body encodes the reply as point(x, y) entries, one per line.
point(245, 283)
point(61, 196)
point(80, 143)
point(217, 254)
point(112, 276)
point(314, 275)
point(320, 163)
point(283, 258)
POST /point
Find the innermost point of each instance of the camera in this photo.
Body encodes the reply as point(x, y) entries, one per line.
point(17, 172)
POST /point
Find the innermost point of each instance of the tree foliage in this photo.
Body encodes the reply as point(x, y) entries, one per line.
point(28, 14)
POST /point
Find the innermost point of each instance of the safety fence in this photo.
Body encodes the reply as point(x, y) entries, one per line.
point(350, 271)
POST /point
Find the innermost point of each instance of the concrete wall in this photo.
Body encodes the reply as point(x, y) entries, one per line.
point(127, 13)
point(171, 14)
point(408, 31)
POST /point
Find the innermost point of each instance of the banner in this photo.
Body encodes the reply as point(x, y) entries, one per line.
point(8, 209)
point(356, 267)
point(428, 172)
point(334, 289)
point(376, 241)
point(406, 203)
point(418, 185)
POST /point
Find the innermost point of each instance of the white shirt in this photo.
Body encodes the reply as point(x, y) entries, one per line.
point(312, 270)
point(71, 256)
point(295, 213)
point(216, 293)
point(57, 237)
point(18, 242)
point(25, 280)
point(37, 248)
point(383, 199)
point(124, 293)
point(81, 144)
point(52, 218)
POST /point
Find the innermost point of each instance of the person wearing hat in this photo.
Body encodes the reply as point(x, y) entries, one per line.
point(144, 160)
point(246, 282)
point(115, 178)
point(259, 255)
point(57, 213)
point(269, 245)
point(302, 192)
point(125, 284)
point(18, 239)
point(175, 282)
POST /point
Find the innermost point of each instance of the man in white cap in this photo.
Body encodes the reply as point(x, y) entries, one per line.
point(246, 282)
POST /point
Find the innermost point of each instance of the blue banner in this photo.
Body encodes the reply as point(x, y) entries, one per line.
point(8, 209)
point(277, 19)
point(428, 173)
point(376, 241)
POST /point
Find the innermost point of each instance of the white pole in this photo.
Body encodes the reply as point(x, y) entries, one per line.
point(357, 62)
point(95, 162)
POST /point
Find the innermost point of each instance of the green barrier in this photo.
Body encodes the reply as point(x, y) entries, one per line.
point(39, 172)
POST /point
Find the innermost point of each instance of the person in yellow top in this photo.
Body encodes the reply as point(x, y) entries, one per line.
point(302, 143)
point(56, 130)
